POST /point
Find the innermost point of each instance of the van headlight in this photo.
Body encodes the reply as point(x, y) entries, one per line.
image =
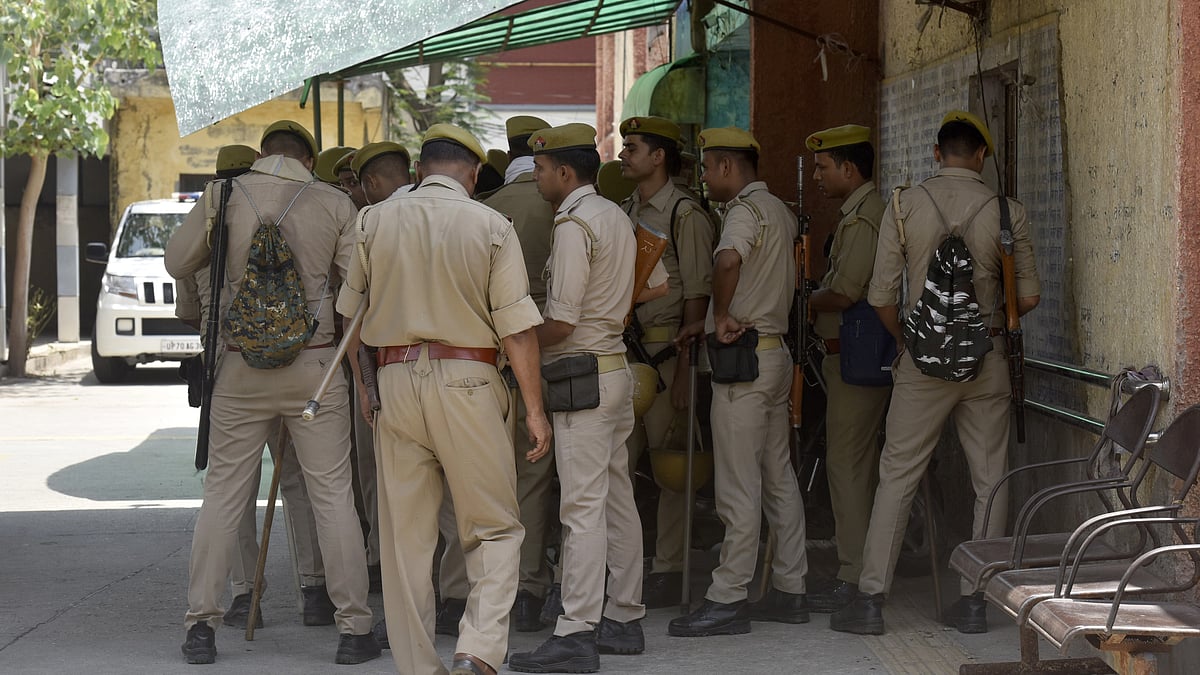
point(123, 286)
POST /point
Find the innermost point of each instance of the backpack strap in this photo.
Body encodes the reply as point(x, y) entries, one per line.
point(969, 220)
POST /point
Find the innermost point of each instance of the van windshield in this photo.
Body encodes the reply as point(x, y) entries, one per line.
point(145, 234)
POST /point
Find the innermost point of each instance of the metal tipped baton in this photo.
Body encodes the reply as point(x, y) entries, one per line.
point(335, 364)
point(260, 568)
point(685, 596)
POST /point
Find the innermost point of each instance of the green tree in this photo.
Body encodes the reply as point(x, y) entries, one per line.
point(452, 94)
point(55, 52)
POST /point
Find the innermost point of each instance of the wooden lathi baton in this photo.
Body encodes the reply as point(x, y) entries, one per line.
point(335, 364)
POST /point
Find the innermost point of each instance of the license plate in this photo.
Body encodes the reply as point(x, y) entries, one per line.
point(181, 346)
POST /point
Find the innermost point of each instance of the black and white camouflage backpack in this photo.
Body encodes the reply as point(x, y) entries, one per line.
point(944, 333)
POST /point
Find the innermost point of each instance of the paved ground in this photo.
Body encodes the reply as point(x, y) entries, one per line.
point(96, 516)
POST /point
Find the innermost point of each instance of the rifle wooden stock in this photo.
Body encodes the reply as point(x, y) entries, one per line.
point(650, 247)
point(796, 397)
point(1013, 337)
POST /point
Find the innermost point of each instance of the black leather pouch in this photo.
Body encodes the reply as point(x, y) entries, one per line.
point(572, 383)
point(735, 362)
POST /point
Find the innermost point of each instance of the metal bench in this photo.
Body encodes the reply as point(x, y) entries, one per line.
point(1128, 427)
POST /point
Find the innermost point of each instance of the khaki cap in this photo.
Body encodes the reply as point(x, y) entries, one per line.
point(371, 151)
point(973, 120)
point(344, 161)
point(728, 138)
point(498, 159)
point(611, 184)
point(327, 160)
point(293, 128)
point(657, 126)
point(837, 137)
point(449, 132)
point(523, 125)
point(234, 157)
point(575, 135)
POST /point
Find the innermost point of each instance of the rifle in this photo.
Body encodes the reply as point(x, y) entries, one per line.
point(212, 332)
point(803, 253)
point(1013, 335)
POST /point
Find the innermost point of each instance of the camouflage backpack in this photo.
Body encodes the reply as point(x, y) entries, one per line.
point(269, 320)
point(944, 333)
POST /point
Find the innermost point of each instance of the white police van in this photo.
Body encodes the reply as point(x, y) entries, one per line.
point(135, 313)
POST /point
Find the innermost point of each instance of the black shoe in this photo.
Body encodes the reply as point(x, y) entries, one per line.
point(552, 606)
point(318, 608)
point(864, 615)
point(831, 596)
point(525, 611)
point(614, 637)
point(780, 607)
point(662, 589)
point(968, 614)
point(239, 612)
point(379, 630)
point(354, 649)
point(374, 578)
point(574, 653)
point(712, 618)
point(200, 645)
point(449, 615)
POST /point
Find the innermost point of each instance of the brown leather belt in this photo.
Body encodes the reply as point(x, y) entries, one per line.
point(833, 346)
point(437, 350)
point(231, 348)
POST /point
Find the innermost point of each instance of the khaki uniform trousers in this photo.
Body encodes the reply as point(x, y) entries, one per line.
point(247, 406)
point(534, 481)
point(442, 423)
point(919, 409)
point(754, 475)
point(303, 529)
point(364, 443)
point(652, 433)
point(599, 517)
point(853, 416)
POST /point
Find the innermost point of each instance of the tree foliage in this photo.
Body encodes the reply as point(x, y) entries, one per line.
point(451, 93)
point(54, 50)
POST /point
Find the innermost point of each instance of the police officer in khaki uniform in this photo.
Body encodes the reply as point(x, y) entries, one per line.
point(753, 279)
point(327, 160)
point(445, 284)
point(349, 181)
point(650, 156)
point(591, 286)
point(954, 199)
point(249, 404)
point(843, 167)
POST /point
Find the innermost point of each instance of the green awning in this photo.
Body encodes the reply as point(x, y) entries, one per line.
point(673, 90)
point(543, 25)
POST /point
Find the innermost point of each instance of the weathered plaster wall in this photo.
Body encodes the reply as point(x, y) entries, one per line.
point(149, 155)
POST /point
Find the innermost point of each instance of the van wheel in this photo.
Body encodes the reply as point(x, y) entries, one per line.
point(109, 370)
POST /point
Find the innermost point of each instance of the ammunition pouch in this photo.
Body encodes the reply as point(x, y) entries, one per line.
point(191, 370)
point(735, 362)
point(572, 383)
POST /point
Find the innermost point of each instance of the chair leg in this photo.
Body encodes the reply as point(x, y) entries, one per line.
point(1031, 663)
point(931, 537)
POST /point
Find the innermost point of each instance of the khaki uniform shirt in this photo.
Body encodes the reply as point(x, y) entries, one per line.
point(440, 267)
point(592, 293)
point(533, 219)
point(318, 228)
point(853, 253)
point(762, 229)
point(688, 257)
point(959, 194)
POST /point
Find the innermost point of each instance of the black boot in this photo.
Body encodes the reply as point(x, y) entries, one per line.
point(552, 606)
point(712, 618)
point(468, 664)
point(379, 630)
point(968, 614)
point(239, 612)
point(574, 653)
point(615, 637)
point(318, 608)
point(662, 589)
point(863, 616)
point(525, 611)
point(449, 615)
point(831, 596)
point(200, 645)
point(355, 649)
point(780, 607)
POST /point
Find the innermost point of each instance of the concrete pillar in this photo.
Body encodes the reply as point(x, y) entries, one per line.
point(66, 239)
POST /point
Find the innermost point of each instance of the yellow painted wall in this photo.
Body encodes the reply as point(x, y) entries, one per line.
point(1119, 94)
point(148, 154)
